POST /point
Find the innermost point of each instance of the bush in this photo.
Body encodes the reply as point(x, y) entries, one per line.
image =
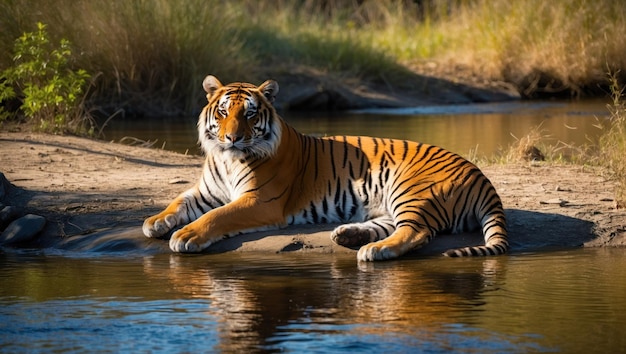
point(51, 93)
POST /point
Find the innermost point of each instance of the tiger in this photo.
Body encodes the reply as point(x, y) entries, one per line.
point(390, 196)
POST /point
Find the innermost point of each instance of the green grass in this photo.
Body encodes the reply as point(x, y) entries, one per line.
point(150, 56)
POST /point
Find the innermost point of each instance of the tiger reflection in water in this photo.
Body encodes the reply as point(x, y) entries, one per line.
point(254, 298)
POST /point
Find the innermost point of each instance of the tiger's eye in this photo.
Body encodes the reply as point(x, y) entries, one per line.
point(250, 114)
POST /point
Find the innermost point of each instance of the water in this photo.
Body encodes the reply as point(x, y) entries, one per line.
point(484, 128)
point(568, 301)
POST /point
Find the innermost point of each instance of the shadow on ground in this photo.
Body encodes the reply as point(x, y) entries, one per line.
point(529, 231)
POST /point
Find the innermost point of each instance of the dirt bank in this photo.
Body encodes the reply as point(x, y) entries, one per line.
point(427, 84)
point(95, 196)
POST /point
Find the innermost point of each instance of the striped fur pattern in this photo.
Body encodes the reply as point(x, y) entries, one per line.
point(391, 196)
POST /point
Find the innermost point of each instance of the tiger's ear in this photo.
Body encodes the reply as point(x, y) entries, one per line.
point(210, 84)
point(269, 89)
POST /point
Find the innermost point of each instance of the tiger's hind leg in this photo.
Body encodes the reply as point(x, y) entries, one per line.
point(359, 234)
point(404, 239)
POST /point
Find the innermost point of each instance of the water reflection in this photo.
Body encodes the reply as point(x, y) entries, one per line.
point(269, 302)
point(564, 301)
point(482, 127)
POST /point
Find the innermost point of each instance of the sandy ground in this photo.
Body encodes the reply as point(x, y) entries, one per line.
point(95, 196)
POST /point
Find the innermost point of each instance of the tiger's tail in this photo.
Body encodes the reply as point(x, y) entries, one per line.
point(494, 230)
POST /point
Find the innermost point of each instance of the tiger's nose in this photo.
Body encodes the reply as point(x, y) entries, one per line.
point(233, 138)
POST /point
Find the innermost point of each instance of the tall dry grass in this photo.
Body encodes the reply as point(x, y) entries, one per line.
point(613, 141)
point(607, 153)
point(541, 46)
point(149, 55)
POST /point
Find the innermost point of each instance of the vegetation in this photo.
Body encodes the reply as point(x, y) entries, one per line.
point(50, 92)
point(613, 142)
point(608, 152)
point(149, 56)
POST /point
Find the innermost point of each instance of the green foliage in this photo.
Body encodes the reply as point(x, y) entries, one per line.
point(6, 93)
point(41, 77)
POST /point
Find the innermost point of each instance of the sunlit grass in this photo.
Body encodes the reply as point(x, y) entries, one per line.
point(606, 155)
point(540, 46)
point(613, 142)
point(539, 147)
point(153, 55)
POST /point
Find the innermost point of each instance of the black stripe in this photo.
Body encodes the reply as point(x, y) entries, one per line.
point(277, 196)
point(314, 215)
point(332, 158)
point(198, 206)
point(405, 146)
point(345, 153)
point(353, 198)
point(213, 196)
point(362, 166)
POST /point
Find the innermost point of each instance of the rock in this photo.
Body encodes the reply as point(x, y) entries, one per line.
point(559, 201)
point(177, 180)
point(532, 153)
point(23, 229)
point(8, 214)
point(4, 186)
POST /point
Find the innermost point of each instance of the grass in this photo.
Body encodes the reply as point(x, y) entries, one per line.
point(149, 57)
point(607, 153)
point(539, 145)
point(542, 47)
point(613, 142)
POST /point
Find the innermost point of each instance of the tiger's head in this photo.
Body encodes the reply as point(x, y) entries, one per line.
point(239, 119)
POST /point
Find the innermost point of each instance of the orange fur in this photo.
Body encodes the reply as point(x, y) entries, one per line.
point(260, 173)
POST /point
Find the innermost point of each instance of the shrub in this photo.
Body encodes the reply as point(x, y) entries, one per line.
point(51, 93)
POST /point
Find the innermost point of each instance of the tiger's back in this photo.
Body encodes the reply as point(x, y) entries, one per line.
point(391, 195)
point(380, 185)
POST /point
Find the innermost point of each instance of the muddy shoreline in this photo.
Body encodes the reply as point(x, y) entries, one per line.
point(95, 195)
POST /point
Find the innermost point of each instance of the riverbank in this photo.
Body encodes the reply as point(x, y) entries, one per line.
point(95, 195)
point(307, 89)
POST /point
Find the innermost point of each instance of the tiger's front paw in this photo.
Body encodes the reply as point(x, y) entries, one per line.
point(158, 225)
point(375, 252)
point(188, 240)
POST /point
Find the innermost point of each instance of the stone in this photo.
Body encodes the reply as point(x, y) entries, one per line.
point(4, 186)
point(177, 180)
point(22, 229)
point(8, 214)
